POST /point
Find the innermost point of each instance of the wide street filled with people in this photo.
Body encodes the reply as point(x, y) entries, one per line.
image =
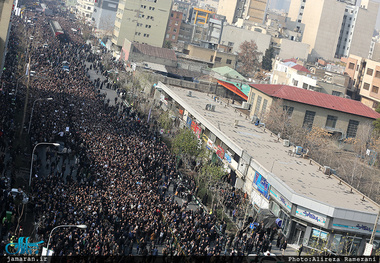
point(115, 175)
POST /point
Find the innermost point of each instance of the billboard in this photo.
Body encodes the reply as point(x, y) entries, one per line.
point(261, 184)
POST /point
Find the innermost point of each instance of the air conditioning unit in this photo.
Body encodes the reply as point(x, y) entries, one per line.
point(327, 170)
point(286, 143)
point(190, 93)
point(245, 105)
point(208, 106)
point(212, 108)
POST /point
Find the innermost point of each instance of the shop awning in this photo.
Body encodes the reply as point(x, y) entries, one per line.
point(242, 90)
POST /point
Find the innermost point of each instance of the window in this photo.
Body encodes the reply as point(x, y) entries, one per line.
point(377, 75)
point(375, 89)
point(308, 120)
point(375, 104)
point(211, 58)
point(186, 51)
point(167, 36)
point(369, 71)
point(352, 128)
point(229, 61)
point(331, 121)
point(295, 82)
point(366, 86)
point(351, 65)
point(288, 110)
point(258, 104)
point(264, 106)
point(218, 59)
point(173, 37)
point(336, 93)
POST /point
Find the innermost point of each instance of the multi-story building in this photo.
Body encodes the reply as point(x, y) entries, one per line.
point(141, 21)
point(213, 57)
point(85, 9)
point(335, 29)
point(5, 18)
point(365, 76)
point(183, 7)
point(288, 72)
point(200, 16)
point(104, 14)
point(174, 26)
point(252, 10)
point(257, 11)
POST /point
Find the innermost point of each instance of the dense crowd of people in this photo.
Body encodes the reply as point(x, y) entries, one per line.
point(123, 173)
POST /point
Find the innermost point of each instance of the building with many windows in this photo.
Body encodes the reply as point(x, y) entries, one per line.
point(104, 14)
point(365, 77)
point(174, 26)
point(142, 21)
point(85, 9)
point(335, 29)
point(251, 10)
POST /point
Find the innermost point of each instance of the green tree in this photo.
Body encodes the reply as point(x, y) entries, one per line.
point(165, 121)
point(185, 144)
point(248, 57)
point(376, 123)
point(168, 44)
point(267, 59)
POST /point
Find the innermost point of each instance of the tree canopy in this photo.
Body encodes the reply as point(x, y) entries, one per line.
point(267, 59)
point(186, 143)
point(248, 57)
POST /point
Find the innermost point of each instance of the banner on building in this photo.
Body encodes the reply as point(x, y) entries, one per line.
point(220, 152)
point(261, 185)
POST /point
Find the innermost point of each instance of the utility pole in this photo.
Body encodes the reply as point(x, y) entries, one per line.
point(26, 98)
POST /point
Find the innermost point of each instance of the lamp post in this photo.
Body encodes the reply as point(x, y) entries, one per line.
point(31, 115)
point(31, 162)
point(61, 226)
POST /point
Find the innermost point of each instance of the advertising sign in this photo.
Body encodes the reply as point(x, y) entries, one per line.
point(227, 157)
point(281, 199)
point(311, 216)
point(261, 184)
point(220, 152)
point(188, 122)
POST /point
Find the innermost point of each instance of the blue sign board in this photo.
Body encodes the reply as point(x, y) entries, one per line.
point(227, 157)
point(188, 122)
point(261, 184)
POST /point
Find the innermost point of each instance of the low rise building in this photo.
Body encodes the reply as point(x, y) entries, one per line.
point(340, 116)
point(313, 205)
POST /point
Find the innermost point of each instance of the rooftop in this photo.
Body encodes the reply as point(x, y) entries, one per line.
point(297, 173)
point(155, 51)
point(317, 99)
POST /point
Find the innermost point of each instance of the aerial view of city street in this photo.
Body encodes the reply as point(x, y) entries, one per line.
point(161, 129)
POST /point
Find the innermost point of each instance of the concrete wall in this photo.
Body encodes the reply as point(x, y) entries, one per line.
point(292, 49)
point(227, 8)
point(294, 9)
point(363, 31)
point(237, 36)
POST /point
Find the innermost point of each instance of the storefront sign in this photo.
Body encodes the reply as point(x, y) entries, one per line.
point(204, 138)
point(261, 184)
point(311, 216)
point(210, 144)
point(359, 227)
point(227, 157)
point(285, 203)
point(220, 152)
point(188, 122)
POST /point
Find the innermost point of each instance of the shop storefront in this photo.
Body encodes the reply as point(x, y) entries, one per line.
point(281, 207)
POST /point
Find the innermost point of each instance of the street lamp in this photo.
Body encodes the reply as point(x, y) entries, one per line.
point(31, 163)
point(51, 232)
point(31, 115)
